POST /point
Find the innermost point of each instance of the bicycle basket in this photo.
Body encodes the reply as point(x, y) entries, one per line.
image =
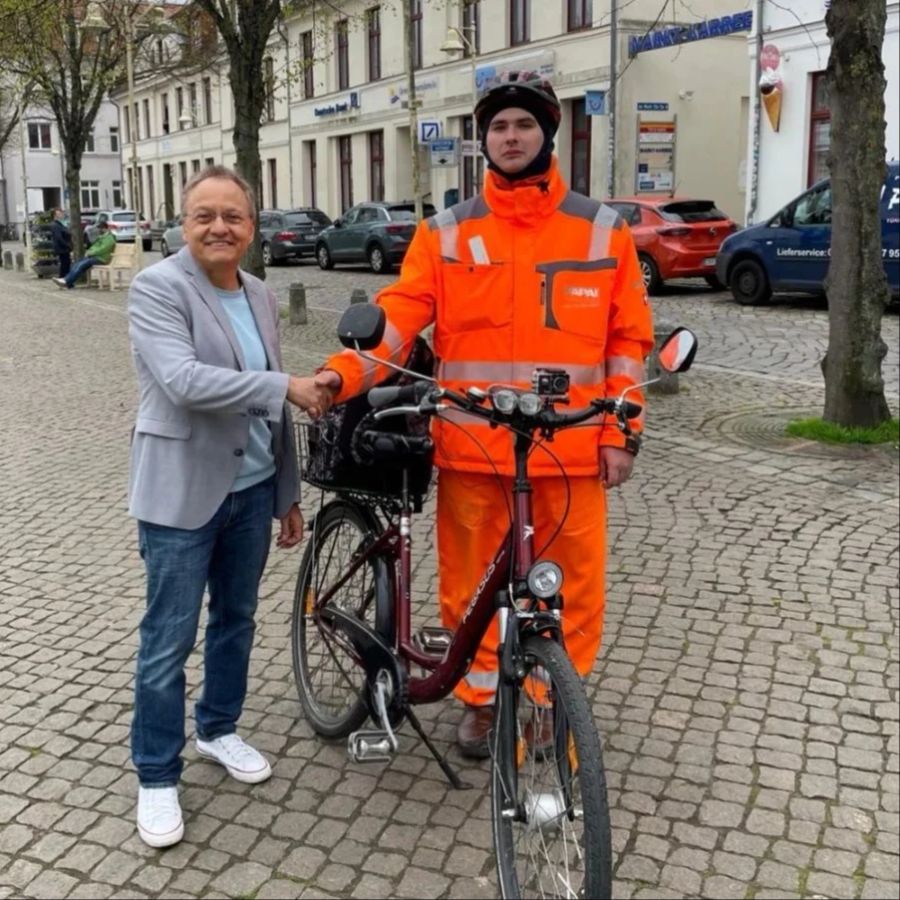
point(329, 458)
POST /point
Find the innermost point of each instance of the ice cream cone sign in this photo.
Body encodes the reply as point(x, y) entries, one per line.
point(770, 84)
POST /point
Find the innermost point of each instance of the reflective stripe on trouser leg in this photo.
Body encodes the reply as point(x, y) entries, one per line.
point(471, 524)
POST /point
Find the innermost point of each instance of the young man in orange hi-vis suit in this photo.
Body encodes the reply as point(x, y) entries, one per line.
point(528, 274)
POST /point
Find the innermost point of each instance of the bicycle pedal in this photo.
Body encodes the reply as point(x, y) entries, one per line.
point(433, 640)
point(369, 746)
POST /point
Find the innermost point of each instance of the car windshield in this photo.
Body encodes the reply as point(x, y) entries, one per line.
point(311, 217)
point(691, 211)
point(407, 212)
point(122, 217)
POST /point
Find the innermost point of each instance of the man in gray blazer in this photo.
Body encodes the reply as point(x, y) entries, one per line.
point(212, 462)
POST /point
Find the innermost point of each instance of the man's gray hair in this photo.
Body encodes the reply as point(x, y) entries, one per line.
point(219, 172)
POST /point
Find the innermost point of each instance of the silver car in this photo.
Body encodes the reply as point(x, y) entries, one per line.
point(172, 239)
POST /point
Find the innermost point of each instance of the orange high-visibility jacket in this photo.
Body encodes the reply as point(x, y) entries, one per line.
point(518, 278)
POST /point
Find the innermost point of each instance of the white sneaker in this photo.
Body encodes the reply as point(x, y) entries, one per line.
point(60, 281)
point(240, 759)
point(159, 819)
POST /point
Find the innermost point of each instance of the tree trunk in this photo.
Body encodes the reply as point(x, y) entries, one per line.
point(856, 284)
point(248, 105)
point(73, 184)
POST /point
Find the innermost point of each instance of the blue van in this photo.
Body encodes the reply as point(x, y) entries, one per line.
point(791, 251)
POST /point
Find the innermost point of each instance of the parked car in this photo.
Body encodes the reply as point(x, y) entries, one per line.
point(376, 233)
point(123, 225)
point(675, 237)
point(172, 239)
point(791, 251)
point(290, 233)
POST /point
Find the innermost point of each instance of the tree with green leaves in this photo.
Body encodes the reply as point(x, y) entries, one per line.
point(856, 285)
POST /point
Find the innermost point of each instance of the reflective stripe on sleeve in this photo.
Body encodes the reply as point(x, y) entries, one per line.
point(448, 233)
point(604, 223)
point(394, 342)
point(625, 365)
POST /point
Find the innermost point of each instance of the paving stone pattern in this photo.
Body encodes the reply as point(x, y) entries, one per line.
point(746, 692)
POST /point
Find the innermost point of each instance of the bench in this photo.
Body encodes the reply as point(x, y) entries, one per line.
point(120, 270)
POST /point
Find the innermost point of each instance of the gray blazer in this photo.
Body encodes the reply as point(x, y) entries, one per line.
point(196, 400)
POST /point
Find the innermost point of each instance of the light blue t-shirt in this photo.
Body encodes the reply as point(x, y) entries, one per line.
point(258, 462)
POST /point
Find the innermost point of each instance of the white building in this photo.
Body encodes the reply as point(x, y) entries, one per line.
point(794, 44)
point(338, 132)
point(101, 166)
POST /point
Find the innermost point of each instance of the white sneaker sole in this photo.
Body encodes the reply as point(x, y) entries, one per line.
point(237, 774)
point(151, 839)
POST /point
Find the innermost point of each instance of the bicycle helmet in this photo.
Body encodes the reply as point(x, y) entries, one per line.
point(524, 89)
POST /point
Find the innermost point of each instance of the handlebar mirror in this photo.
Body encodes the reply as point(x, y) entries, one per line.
point(677, 351)
point(362, 326)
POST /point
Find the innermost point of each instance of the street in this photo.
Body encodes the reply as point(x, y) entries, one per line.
point(746, 693)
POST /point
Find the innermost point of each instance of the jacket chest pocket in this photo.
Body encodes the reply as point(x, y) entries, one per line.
point(475, 296)
point(576, 296)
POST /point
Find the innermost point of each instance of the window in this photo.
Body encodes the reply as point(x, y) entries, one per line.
point(136, 119)
point(127, 120)
point(164, 109)
point(273, 183)
point(114, 140)
point(814, 208)
point(519, 22)
point(473, 164)
point(182, 173)
point(147, 129)
point(195, 110)
point(89, 142)
point(39, 135)
point(819, 129)
point(90, 194)
point(179, 107)
point(269, 82)
point(116, 195)
point(581, 14)
point(210, 161)
point(195, 166)
point(581, 148)
point(311, 173)
point(207, 101)
point(373, 30)
point(376, 165)
point(306, 53)
point(471, 25)
point(345, 157)
point(415, 15)
point(342, 44)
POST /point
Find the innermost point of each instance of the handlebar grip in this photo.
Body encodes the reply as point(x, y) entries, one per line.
point(383, 396)
point(632, 410)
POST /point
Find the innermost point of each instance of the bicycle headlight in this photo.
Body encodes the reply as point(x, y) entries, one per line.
point(529, 404)
point(545, 579)
point(504, 401)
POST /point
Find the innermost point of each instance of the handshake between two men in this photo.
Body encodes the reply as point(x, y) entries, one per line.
point(314, 393)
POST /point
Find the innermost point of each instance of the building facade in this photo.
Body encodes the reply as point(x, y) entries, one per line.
point(789, 54)
point(101, 166)
point(336, 130)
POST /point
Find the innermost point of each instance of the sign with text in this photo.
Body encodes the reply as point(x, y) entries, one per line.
point(655, 157)
point(685, 34)
point(655, 106)
point(444, 153)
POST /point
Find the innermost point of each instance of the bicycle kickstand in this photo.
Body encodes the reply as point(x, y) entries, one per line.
point(446, 768)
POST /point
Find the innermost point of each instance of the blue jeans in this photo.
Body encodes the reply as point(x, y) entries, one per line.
point(228, 555)
point(79, 269)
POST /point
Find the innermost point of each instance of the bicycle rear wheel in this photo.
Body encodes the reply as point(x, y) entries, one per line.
point(548, 788)
point(327, 669)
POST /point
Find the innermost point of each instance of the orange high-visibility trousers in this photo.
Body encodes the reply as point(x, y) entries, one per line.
point(472, 520)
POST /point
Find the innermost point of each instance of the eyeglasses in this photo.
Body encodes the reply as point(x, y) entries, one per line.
point(208, 216)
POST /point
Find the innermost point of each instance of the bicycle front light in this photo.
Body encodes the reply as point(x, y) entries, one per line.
point(529, 404)
point(504, 401)
point(545, 579)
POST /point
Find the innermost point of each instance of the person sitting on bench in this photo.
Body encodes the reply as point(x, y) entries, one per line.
point(98, 254)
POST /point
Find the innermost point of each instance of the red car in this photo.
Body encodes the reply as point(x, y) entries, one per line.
point(675, 237)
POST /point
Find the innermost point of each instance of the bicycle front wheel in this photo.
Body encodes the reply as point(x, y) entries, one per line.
point(327, 669)
point(548, 788)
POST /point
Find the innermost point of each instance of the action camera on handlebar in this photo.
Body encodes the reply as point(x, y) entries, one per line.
point(550, 382)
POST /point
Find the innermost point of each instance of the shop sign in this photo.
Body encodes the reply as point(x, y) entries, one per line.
point(685, 34)
point(340, 105)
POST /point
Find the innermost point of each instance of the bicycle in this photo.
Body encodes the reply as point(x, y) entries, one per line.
point(550, 814)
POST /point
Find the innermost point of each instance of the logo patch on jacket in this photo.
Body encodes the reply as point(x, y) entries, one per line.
point(581, 296)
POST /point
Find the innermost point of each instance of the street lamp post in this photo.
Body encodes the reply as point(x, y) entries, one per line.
point(22, 139)
point(457, 42)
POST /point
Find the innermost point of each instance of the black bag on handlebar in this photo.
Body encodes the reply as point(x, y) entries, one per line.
point(329, 458)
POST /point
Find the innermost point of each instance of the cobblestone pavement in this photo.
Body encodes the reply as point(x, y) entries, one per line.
point(747, 690)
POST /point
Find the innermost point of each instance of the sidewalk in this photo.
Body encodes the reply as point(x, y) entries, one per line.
point(747, 691)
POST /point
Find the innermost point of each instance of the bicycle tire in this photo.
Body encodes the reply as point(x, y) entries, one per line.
point(549, 823)
point(329, 679)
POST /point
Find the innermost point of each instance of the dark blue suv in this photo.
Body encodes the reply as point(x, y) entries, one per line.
point(791, 251)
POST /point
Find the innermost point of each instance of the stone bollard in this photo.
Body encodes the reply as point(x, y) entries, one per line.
point(7, 259)
point(359, 295)
point(668, 383)
point(20, 262)
point(297, 303)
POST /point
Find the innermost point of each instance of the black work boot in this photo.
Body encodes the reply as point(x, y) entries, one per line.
point(473, 730)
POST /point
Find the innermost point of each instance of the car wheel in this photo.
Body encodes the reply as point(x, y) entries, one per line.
point(714, 282)
point(650, 273)
point(163, 248)
point(323, 257)
point(268, 259)
point(378, 261)
point(749, 283)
